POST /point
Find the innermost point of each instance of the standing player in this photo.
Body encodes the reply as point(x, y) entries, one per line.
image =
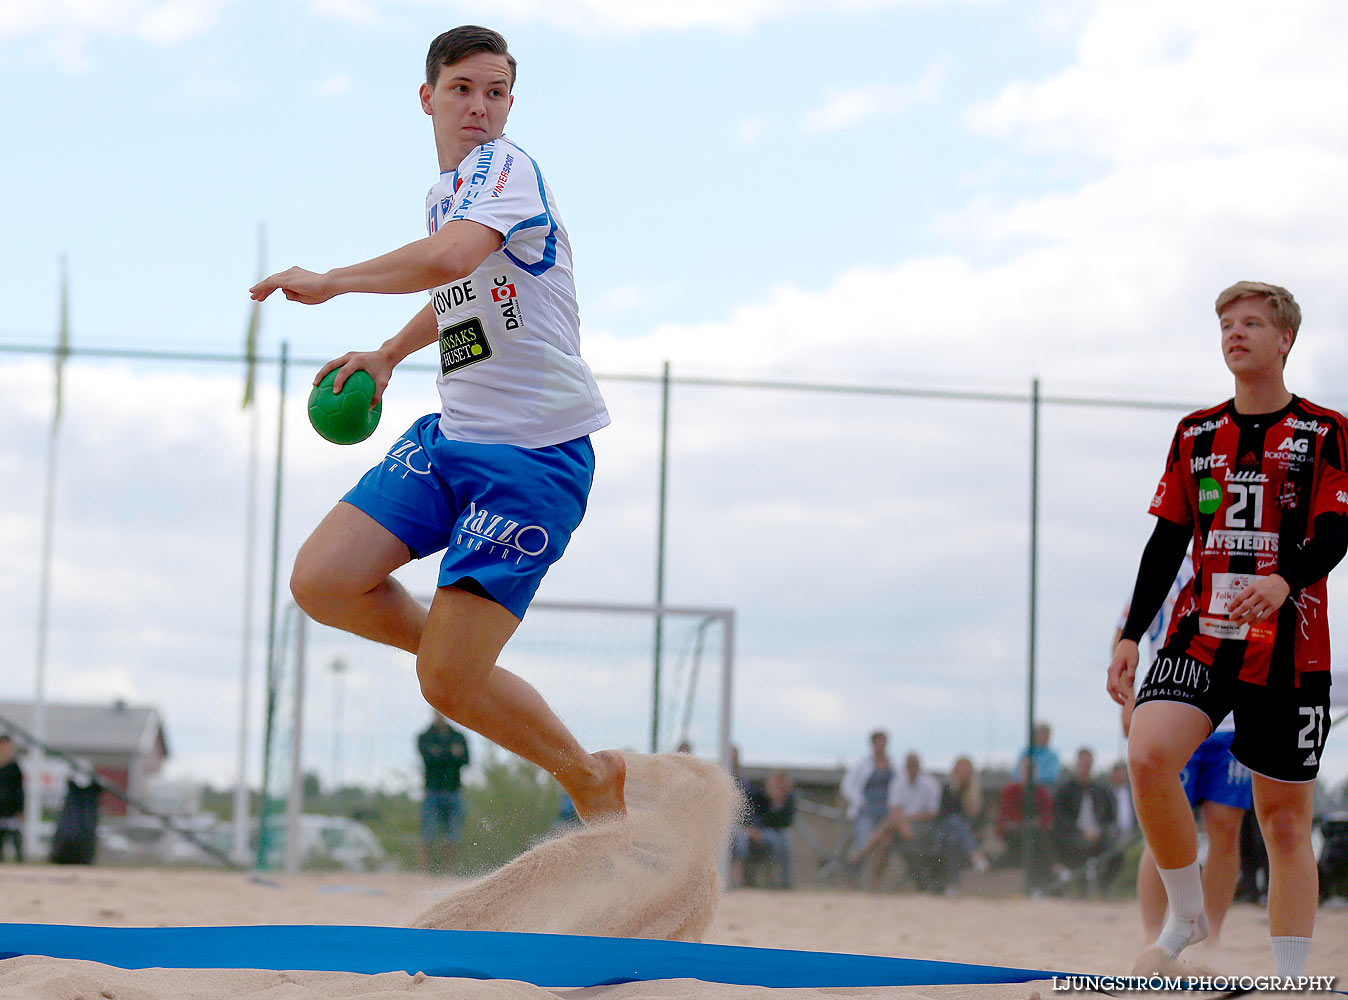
point(1258, 483)
point(1215, 783)
point(500, 476)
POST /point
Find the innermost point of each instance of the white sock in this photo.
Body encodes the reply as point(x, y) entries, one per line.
point(1183, 890)
point(1186, 923)
point(1290, 954)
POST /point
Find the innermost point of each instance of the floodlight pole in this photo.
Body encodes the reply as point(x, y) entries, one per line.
point(35, 761)
point(660, 560)
point(241, 804)
point(1029, 815)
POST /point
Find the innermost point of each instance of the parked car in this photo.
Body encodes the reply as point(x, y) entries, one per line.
point(328, 842)
point(144, 840)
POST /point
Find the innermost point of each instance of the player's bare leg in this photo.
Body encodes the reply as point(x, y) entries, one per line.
point(1150, 895)
point(1222, 825)
point(456, 664)
point(1161, 739)
point(341, 578)
point(1284, 809)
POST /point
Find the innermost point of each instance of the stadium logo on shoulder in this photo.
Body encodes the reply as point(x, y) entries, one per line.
point(1205, 427)
point(1314, 426)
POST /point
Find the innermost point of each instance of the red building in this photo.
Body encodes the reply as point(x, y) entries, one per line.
point(124, 743)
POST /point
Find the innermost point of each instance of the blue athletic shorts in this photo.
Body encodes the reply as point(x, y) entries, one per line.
point(503, 514)
point(1213, 775)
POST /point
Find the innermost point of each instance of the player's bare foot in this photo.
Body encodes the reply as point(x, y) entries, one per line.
point(602, 798)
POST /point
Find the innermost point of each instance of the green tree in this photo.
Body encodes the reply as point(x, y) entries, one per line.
point(512, 808)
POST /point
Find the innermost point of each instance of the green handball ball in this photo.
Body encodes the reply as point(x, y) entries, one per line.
point(344, 417)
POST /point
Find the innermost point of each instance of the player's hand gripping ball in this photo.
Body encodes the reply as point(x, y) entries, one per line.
point(344, 417)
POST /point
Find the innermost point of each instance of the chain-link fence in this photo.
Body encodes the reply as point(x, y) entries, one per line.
point(874, 541)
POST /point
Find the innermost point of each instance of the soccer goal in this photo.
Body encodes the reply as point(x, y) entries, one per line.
point(348, 710)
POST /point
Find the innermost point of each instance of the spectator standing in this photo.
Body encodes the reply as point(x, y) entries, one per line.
point(11, 800)
point(1046, 765)
point(444, 755)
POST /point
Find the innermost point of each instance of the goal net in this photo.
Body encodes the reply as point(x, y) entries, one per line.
point(344, 713)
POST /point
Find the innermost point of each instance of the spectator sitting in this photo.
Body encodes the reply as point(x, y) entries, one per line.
point(865, 790)
point(772, 811)
point(1084, 817)
point(958, 821)
point(914, 801)
point(1046, 765)
point(1019, 834)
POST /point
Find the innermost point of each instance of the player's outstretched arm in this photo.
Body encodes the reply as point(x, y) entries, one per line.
point(454, 251)
point(420, 330)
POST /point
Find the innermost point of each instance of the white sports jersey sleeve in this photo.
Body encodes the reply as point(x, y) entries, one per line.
point(510, 364)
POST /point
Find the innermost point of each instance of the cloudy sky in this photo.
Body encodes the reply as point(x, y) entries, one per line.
point(927, 195)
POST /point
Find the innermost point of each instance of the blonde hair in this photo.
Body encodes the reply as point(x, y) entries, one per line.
point(1286, 312)
point(971, 795)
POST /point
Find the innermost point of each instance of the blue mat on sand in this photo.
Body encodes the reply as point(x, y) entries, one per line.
point(541, 959)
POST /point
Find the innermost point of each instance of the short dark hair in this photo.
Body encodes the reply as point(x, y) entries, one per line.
point(461, 42)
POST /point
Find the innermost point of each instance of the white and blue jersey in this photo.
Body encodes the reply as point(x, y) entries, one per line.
point(510, 364)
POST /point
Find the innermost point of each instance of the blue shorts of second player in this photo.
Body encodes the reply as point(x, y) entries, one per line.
point(1213, 775)
point(503, 514)
point(442, 815)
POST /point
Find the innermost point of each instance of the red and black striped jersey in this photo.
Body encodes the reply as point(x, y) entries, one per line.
point(1251, 486)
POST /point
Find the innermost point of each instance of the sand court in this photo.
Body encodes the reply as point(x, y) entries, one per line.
point(650, 875)
point(1072, 935)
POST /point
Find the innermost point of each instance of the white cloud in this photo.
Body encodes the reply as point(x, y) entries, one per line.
point(358, 11)
point(334, 86)
point(1155, 79)
point(63, 28)
point(812, 705)
point(751, 129)
point(845, 109)
point(173, 21)
point(623, 18)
